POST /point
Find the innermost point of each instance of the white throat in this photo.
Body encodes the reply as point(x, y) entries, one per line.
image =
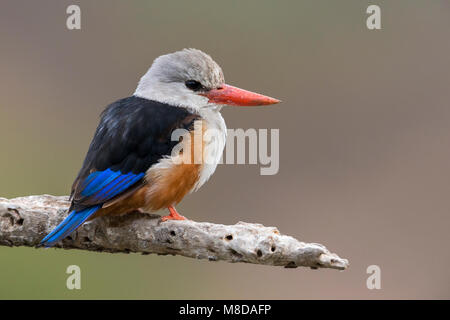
point(215, 140)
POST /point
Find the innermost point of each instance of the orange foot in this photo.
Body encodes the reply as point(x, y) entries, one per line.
point(174, 215)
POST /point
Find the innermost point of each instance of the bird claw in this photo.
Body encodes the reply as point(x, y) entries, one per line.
point(170, 217)
point(174, 215)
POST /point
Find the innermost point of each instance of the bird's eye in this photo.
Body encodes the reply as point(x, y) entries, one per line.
point(193, 85)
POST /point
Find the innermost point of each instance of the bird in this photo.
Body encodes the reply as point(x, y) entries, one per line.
point(130, 165)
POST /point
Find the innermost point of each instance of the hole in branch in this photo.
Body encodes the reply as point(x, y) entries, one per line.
point(235, 253)
point(291, 264)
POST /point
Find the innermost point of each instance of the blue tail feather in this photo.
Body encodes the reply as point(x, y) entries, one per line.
point(70, 223)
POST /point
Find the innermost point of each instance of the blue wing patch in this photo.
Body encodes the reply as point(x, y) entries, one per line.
point(102, 186)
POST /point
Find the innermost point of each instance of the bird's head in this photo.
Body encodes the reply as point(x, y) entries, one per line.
point(190, 78)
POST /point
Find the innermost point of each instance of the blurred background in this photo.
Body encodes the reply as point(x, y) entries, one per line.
point(364, 139)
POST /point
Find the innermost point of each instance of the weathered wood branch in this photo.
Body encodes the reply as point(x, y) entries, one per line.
point(25, 221)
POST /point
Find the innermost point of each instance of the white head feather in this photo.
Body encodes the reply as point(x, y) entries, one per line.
point(165, 80)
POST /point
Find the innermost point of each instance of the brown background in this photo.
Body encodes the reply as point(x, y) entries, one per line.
point(364, 130)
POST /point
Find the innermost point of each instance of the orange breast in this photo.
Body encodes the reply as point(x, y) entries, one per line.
point(171, 185)
point(173, 178)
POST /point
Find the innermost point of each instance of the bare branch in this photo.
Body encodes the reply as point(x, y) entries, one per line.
point(25, 221)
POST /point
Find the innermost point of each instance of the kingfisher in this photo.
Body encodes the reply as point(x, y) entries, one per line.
point(131, 164)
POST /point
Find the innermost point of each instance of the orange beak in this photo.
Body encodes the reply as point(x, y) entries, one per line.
point(232, 96)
